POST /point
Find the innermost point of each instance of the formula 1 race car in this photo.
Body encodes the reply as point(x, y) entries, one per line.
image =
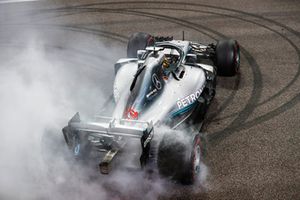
point(162, 83)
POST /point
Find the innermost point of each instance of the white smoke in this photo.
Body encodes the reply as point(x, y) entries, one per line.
point(41, 87)
point(35, 97)
point(40, 90)
point(38, 96)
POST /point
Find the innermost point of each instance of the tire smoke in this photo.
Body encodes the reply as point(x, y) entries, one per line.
point(45, 78)
point(40, 90)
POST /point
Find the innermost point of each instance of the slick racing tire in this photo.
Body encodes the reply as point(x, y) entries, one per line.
point(138, 41)
point(227, 57)
point(179, 159)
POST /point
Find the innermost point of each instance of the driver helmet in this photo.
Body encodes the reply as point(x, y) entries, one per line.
point(165, 63)
point(165, 67)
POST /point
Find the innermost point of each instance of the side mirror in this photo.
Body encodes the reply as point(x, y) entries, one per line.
point(141, 54)
point(191, 58)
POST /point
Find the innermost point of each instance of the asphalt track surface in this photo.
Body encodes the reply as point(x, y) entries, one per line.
point(253, 124)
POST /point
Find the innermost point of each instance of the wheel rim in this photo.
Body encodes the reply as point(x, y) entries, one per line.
point(197, 158)
point(237, 58)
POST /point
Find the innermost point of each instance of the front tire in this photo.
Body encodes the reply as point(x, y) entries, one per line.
point(227, 57)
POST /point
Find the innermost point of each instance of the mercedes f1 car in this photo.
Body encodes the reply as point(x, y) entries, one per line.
point(162, 83)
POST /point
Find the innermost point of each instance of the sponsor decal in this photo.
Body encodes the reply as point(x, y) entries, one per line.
point(77, 149)
point(157, 84)
point(190, 99)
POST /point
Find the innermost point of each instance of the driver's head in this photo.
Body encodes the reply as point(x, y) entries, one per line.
point(165, 63)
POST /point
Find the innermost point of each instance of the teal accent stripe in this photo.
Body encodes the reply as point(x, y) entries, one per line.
point(183, 110)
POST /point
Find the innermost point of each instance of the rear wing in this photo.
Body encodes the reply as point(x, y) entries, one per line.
point(108, 126)
point(103, 132)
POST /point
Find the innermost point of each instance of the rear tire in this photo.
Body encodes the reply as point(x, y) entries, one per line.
point(138, 41)
point(227, 57)
point(178, 159)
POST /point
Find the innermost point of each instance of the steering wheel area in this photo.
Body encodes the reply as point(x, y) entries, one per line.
point(173, 54)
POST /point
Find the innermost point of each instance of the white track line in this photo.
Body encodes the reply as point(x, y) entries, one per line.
point(14, 1)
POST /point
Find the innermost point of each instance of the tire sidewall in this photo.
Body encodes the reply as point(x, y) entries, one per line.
point(227, 57)
point(196, 143)
point(178, 163)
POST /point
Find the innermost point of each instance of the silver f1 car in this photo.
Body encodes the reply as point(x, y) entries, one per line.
point(162, 83)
